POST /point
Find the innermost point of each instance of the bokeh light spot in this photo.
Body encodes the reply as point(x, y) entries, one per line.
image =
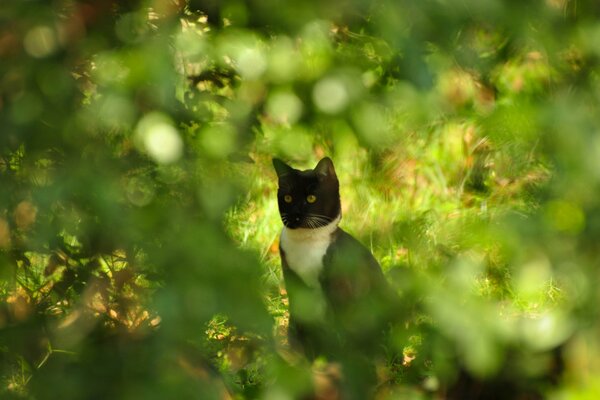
point(284, 107)
point(251, 63)
point(548, 330)
point(330, 95)
point(283, 60)
point(116, 111)
point(40, 42)
point(140, 191)
point(159, 138)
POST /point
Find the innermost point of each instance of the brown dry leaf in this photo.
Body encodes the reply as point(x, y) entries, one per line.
point(327, 382)
point(25, 214)
point(485, 98)
point(56, 260)
point(238, 355)
point(70, 319)
point(19, 306)
point(123, 277)
point(97, 302)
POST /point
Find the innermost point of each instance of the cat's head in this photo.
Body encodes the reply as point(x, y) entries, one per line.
point(308, 199)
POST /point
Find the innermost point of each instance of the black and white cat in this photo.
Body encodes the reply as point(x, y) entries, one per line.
point(339, 299)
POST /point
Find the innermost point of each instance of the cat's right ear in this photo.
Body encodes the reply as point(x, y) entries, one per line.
point(281, 168)
point(325, 168)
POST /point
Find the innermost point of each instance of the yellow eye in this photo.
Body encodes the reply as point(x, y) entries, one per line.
point(311, 198)
point(287, 198)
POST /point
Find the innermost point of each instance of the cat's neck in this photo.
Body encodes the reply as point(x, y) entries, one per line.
point(304, 249)
point(310, 234)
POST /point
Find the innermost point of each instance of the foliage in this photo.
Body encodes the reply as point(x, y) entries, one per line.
point(138, 224)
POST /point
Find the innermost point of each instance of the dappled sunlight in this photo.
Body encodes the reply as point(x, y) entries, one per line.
point(139, 222)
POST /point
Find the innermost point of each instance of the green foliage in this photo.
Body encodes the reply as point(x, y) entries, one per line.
point(138, 221)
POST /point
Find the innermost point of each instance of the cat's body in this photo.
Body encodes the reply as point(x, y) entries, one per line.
point(339, 299)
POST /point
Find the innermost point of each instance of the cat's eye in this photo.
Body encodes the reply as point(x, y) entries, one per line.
point(311, 198)
point(287, 198)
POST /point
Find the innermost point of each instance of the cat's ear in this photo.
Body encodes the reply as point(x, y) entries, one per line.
point(324, 168)
point(281, 168)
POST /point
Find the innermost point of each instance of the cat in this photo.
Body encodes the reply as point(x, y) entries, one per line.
point(339, 299)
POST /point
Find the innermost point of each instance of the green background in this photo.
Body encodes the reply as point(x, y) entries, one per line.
point(138, 219)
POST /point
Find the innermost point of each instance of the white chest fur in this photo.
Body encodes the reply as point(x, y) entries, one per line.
point(304, 250)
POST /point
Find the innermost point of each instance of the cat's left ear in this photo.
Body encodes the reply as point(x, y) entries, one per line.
point(281, 168)
point(325, 168)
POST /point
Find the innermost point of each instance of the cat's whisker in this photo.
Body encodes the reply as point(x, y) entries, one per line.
point(320, 217)
point(317, 215)
point(311, 221)
point(317, 222)
point(320, 222)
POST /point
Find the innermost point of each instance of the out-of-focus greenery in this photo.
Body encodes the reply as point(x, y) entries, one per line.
point(138, 222)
